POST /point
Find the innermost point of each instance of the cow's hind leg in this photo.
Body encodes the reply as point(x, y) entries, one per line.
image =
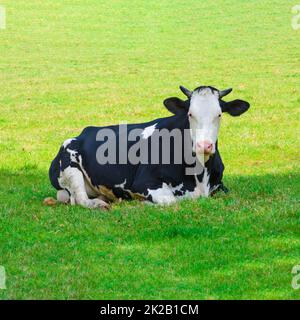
point(72, 180)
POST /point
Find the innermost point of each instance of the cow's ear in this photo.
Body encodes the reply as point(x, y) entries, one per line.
point(235, 107)
point(177, 106)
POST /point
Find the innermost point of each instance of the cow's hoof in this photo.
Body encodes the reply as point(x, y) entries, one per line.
point(98, 204)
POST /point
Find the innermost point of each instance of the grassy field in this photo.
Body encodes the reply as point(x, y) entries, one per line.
point(68, 64)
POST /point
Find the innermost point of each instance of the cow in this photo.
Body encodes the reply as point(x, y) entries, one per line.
point(81, 177)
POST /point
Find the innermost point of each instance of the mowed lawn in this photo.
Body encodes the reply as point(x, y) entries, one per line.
point(68, 64)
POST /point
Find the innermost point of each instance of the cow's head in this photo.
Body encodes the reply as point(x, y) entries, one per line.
point(204, 109)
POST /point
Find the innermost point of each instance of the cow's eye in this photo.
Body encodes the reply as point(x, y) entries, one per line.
point(220, 115)
point(190, 115)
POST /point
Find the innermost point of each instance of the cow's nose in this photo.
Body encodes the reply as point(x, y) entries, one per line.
point(205, 146)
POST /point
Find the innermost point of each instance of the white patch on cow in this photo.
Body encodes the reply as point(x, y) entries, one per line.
point(121, 185)
point(204, 118)
point(205, 183)
point(73, 155)
point(177, 188)
point(163, 195)
point(67, 142)
point(148, 131)
point(202, 188)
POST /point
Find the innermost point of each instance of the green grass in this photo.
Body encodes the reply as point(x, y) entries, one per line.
point(68, 64)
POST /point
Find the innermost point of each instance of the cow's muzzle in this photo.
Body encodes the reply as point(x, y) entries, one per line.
point(205, 147)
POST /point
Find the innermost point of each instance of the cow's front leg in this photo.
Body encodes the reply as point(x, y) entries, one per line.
point(72, 179)
point(162, 195)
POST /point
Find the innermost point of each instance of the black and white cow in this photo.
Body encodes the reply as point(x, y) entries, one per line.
point(80, 179)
